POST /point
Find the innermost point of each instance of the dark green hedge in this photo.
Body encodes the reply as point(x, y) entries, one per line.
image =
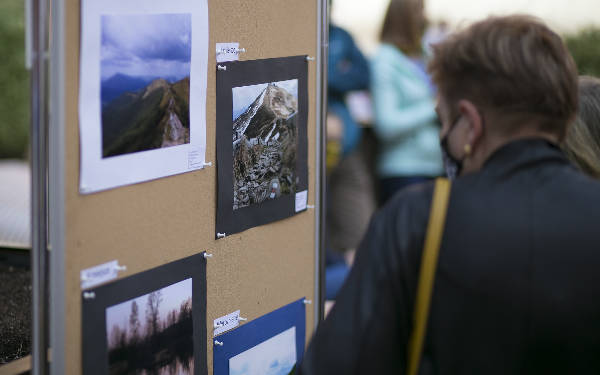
point(585, 48)
point(14, 81)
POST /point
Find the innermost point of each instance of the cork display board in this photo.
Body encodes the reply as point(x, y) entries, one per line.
point(151, 224)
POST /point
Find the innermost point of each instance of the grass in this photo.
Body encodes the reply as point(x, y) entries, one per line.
point(14, 81)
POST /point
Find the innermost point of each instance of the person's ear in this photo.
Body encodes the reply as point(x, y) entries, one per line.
point(471, 114)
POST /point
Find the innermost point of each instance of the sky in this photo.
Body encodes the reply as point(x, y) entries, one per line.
point(243, 96)
point(146, 45)
point(274, 356)
point(363, 18)
point(172, 297)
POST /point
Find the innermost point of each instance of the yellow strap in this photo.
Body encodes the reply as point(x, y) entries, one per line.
point(431, 249)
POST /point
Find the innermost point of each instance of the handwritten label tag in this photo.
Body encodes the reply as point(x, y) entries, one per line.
point(93, 276)
point(227, 52)
point(227, 322)
point(301, 198)
point(195, 159)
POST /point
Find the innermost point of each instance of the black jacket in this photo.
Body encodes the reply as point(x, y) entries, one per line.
point(517, 288)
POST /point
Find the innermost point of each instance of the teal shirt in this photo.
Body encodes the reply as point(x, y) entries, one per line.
point(405, 118)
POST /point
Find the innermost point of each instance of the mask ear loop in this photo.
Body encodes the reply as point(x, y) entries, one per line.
point(453, 125)
point(468, 148)
point(444, 140)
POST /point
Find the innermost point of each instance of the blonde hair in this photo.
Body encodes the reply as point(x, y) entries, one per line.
point(514, 65)
point(582, 144)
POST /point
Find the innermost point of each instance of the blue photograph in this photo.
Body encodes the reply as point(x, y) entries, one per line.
point(275, 356)
point(269, 345)
point(145, 81)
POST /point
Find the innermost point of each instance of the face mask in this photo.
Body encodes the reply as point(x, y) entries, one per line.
point(452, 165)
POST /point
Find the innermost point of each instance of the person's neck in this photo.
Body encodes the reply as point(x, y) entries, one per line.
point(493, 143)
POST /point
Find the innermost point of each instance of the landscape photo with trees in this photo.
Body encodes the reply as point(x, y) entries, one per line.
point(145, 82)
point(152, 334)
point(265, 136)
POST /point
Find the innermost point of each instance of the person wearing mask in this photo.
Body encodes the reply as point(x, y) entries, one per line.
point(403, 102)
point(516, 286)
point(582, 145)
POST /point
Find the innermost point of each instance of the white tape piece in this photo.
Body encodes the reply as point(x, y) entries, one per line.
point(93, 276)
point(301, 199)
point(225, 323)
point(228, 52)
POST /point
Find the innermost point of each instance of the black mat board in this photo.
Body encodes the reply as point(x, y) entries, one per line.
point(94, 332)
point(246, 73)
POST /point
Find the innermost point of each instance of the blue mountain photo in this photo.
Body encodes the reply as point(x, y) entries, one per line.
point(119, 84)
point(144, 81)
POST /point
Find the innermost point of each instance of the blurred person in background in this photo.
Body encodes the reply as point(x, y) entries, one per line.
point(582, 145)
point(403, 101)
point(516, 286)
point(350, 194)
point(434, 34)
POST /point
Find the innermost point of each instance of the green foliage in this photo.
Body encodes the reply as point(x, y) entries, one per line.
point(14, 81)
point(585, 48)
point(135, 125)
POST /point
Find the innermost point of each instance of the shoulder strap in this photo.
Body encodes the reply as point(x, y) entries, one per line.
point(433, 239)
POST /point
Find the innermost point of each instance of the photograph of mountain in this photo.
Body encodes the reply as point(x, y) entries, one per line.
point(262, 142)
point(275, 356)
point(153, 333)
point(145, 82)
point(265, 137)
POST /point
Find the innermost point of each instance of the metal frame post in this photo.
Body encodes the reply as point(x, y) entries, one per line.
point(321, 117)
point(39, 187)
point(57, 189)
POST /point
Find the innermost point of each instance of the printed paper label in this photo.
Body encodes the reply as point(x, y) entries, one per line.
point(227, 322)
point(227, 52)
point(195, 159)
point(93, 276)
point(301, 198)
